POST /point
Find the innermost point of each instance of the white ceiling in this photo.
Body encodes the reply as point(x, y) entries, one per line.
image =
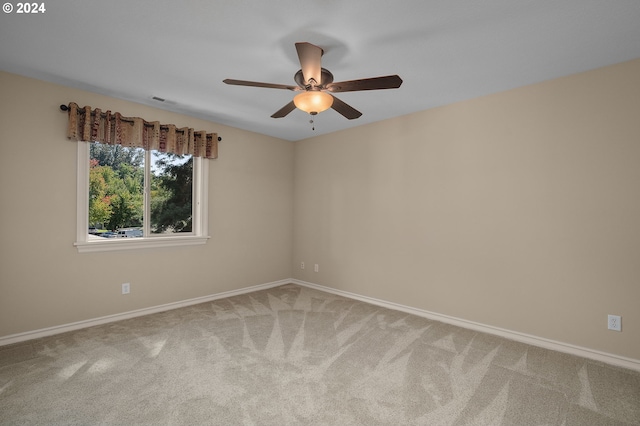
point(444, 50)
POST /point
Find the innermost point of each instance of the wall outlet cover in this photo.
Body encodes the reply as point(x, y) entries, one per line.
point(614, 322)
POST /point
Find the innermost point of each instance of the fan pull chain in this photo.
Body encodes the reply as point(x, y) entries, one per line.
point(313, 126)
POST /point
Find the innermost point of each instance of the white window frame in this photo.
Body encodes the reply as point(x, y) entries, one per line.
point(89, 243)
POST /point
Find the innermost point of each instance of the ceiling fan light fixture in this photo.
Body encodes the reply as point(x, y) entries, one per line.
point(313, 101)
point(314, 81)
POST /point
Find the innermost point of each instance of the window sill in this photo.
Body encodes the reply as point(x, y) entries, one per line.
point(118, 244)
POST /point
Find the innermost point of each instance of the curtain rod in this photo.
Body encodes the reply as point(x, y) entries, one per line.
point(81, 111)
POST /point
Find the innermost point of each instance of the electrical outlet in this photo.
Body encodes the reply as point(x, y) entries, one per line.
point(126, 288)
point(301, 265)
point(614, 322)
point(316, 268)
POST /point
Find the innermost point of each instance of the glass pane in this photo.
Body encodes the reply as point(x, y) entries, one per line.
point(171, 193)
point(116, 191)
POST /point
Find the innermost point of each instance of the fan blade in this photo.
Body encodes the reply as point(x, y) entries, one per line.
point(310, 61)
point(375, 83)
point(347, 110)
point(282, 112)
point(258, 84)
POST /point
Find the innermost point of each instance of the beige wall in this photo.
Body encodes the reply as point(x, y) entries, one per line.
point(518, 210)
point(45, 282)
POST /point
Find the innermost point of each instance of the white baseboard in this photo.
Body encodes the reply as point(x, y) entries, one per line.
point(50, 331)
point(612, 359)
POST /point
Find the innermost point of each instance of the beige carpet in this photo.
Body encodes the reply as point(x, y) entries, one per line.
point(295, 356)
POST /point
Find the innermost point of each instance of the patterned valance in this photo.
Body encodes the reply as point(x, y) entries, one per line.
point(93, 125)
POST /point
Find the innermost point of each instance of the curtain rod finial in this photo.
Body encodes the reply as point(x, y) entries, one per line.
point(64, 108)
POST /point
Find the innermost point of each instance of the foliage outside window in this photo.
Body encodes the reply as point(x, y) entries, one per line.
point(117, 182)
point(137, 198)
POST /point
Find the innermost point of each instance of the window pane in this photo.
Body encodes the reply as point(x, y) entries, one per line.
point(116, 190)
point(171, 193)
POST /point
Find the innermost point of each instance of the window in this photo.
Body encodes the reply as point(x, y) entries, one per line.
point(135, 198)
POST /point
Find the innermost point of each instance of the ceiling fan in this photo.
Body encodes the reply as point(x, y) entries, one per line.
point(316, 86)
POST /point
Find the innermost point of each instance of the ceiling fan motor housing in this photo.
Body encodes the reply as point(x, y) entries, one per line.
point(326, 78)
